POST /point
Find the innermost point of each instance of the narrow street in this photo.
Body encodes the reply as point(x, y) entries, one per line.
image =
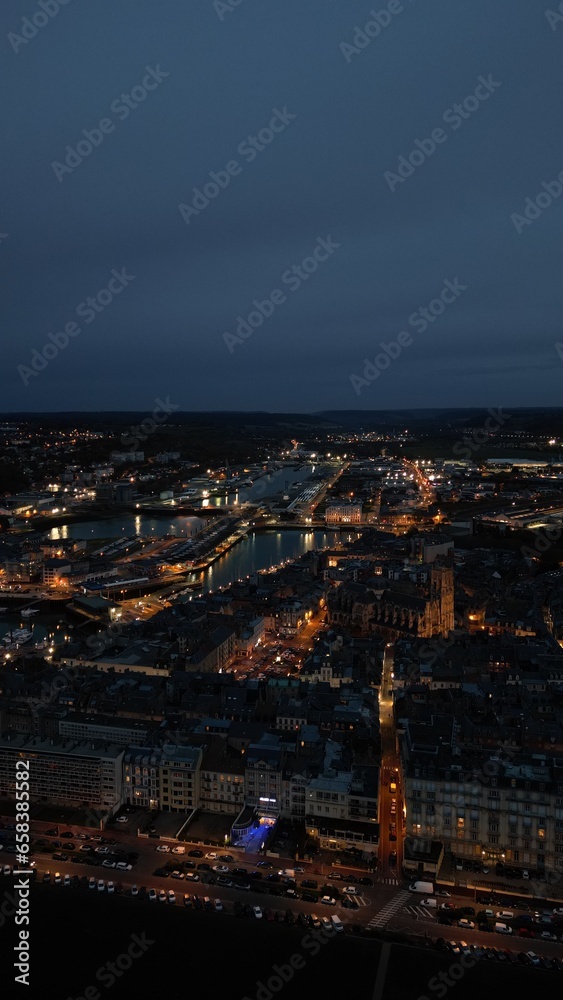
point(391, 802)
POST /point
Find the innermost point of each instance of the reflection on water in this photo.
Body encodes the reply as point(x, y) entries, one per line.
point(256, 551)
point(126, 525)
point(263, 551)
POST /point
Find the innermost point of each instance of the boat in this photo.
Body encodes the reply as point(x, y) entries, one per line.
point(29, 611)
point(17, 636)
point(3, 611)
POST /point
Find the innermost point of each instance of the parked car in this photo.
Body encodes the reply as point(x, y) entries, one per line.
point(163, 849)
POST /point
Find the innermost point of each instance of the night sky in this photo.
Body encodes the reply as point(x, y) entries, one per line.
point(333, 108)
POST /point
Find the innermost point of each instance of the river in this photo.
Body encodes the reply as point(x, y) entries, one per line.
point(259, 550)
point(262, 550)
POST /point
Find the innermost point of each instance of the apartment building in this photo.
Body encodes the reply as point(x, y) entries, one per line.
point(64, 772)
point(141, 778)
point(122, 732)
point(263, 776)
point(482, 806)
point(342, 809)
point(344, 512)
point(222, 787)
point(180, 778)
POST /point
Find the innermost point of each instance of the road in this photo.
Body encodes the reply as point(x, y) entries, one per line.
point(391, 802)
point(387, 903)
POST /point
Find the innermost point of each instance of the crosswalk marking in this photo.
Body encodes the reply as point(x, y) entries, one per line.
point(389, 909)
point(418, 911)
point(388, 880)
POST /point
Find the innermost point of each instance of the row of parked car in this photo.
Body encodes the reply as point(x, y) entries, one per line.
point(502, 870)
point(193, 901)
point(526, 958)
